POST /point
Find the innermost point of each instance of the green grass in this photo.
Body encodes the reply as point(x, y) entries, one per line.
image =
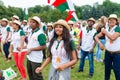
point(98, 75)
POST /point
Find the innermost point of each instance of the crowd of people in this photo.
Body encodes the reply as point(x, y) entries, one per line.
point(61, 43)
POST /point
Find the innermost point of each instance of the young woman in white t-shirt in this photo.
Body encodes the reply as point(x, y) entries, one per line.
point(62, 53)
point(18, 45)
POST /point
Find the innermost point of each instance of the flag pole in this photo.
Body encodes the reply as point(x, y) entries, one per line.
point(50, 10)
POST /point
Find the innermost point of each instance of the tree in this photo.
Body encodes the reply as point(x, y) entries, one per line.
point(1, 3)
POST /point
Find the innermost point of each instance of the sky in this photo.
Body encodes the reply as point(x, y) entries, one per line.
point(32, 3)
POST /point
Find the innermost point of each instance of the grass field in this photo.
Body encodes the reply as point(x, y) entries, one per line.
point(98, 74)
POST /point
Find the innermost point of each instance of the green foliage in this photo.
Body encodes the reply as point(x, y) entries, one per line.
point(98, 75)
point(49, 14)
point(1, 3)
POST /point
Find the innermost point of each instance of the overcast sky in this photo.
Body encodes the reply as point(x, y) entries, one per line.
point(31, 3)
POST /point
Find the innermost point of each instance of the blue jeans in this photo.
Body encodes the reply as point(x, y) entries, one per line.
point(90, 58)
point(6, 49)
point(99, 51)
point(112, 61)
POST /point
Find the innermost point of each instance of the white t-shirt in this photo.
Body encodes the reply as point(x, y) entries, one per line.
point(16, 40)
point(35, 56)
point(113, 45)
point(59, 55)
point(87, 39)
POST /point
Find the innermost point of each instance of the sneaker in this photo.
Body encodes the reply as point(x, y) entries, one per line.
point(90, 75)
point(80, 70)
point(101, 60)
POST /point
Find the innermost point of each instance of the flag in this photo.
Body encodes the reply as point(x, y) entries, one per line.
point(48, 1)
point(71, 8)
point(62, 5)
point(70, 16)
point(25, 13)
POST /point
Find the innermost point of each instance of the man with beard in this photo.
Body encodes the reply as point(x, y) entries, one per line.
point(87, 46)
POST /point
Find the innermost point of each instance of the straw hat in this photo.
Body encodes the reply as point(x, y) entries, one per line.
point(49, 24)
point(16, 17)
point(113, 16)
point(4, 19)
point(37, 19)
point(25, 21)
point(62, 22)
point(70, 22)
point(17, 22)
point(91, 19)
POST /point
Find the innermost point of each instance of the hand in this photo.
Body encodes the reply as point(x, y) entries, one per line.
point(103, 30)
point(29, 51)
point(3, 42)
point(19, 53)
point(18, 48)
point(101, 46)
point(61, 67)
point(78, 47)
point(91, 51)
point(6, 41)
point(10, 54)
point(72, 67)
point(38, 70)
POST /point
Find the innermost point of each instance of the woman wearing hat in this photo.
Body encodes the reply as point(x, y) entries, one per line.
point(62, 53)
point(112, 50)
point(18, 46)
point(50, 31)
point(101, 24)
point(5, 31)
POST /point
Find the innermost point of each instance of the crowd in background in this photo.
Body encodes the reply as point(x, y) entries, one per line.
point(61, 43)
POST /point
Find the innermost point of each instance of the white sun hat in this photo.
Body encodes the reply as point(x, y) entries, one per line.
point(113, 16)
point(37, 19)
point(5, 19)
point(16, 17)
point(17, 22)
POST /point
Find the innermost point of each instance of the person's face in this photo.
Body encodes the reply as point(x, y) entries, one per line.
point(112, 22)
point(58, 29)
point(90, 23)
point(24, 23)
point(13, 19)
point(49, 27)
point(71, 25)
point(4, 23)
point(14, 26)
point(33, 24)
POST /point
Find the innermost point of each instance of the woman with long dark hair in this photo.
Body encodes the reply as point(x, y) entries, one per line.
point(62, 53)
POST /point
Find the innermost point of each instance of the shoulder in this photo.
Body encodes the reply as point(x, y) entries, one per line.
point(22, 33)
point(117, 29)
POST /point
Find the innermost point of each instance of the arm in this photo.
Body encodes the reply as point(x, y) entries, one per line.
point(22, 42)
point(73, 58)
point(42, 43)
point(98, 41)
point(6, 39)
point(38, 48)
point(10, 51)
point(113, 36)
point(80, 40)
point(8, 31)
point(47, 61)
point(69, 64)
